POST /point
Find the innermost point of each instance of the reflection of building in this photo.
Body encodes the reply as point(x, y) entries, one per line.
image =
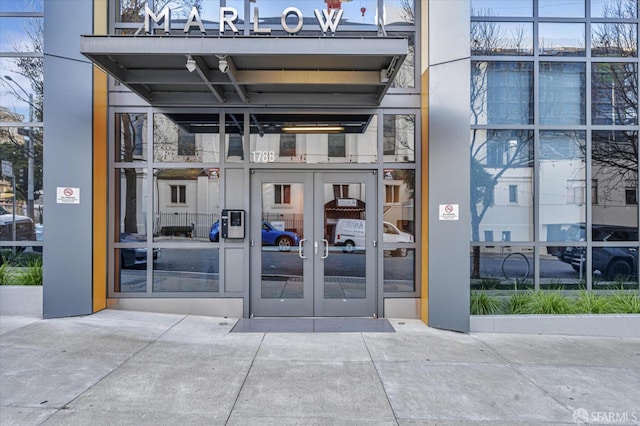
point(10, 138)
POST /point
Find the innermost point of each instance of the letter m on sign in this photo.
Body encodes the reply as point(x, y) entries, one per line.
point(164, 15)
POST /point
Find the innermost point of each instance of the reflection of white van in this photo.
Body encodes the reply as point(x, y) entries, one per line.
point(350, 234)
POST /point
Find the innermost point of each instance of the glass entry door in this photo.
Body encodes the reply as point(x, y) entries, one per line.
point(313, 244)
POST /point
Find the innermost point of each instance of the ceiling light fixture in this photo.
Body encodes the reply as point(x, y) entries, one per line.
point(313, 129)
point(191, 64)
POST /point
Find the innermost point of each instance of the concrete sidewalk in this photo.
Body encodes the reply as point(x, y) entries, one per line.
point(133, 368)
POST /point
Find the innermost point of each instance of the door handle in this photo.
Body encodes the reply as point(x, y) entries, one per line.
point(300, 246)
point(326, 249)
point(315, 248)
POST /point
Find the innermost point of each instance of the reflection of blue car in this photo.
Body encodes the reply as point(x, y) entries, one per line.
point(270, 236)
point(132, 257)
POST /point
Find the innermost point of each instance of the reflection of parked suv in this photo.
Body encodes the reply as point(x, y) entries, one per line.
point(25, 230)
point(612, 262)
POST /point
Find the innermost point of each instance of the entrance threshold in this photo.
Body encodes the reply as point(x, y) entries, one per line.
point(313, 325)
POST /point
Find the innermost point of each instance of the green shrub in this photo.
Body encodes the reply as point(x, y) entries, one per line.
point(517, 303)
point(5, 274)
point(627, 302)
point(483, 304)
point(547, 302)
point(590, 303)
point(32, 274)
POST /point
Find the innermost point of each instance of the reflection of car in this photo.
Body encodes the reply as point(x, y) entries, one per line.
point(270, 236)
point(25, 230)
point(612, 262)
point(130, 257)
point(350, 234)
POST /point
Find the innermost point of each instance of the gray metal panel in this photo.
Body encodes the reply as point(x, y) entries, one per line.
point(449, 31)
point(449, 170)
point(234, 269)
point(67, 156)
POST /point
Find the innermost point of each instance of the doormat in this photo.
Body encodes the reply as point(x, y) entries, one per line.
point(313, 325)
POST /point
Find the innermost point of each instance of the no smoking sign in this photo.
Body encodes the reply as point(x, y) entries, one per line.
point(449, 212)
point(67, 195)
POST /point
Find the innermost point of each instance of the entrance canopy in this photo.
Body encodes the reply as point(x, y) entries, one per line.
point(251, 71)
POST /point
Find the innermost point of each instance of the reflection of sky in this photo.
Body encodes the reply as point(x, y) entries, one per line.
point(354, 11)
point(546, 8)
point(21, 6)
point(13, 37)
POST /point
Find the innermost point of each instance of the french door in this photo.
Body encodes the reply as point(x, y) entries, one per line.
point(313, 243)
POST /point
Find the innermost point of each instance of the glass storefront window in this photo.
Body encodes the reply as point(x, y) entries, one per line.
point(172, 143)
point(21, 89)
point(559, 269)
point(564, 9)
point(130, 11)
point(22, 148)
point(501, 185)
point(22, 6)
point(234, 137)
point(501, 38)
point(187, 270)
point(398, 230)
point(615, 267)
point(405, 78)
point(614, 157)
point(520, 8)
point(614, 40)
point(561, 39)
point(501, 93)
point(131, 204)
point(399, 205)
point(563, 189)
point(131, 273)
point(501, 270)
point(286, 139)
point(562, 93)
point(399, 271)
point(398, 142)
point(399, 12)
point(614, 93)
point(131, 137)
point(627, 9)
point(18, 34)
point(186, 203)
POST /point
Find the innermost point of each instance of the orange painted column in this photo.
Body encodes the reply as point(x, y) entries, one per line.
point(424, 101)
point(100, 171)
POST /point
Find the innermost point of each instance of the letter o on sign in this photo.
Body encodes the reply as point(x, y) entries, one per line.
point(283, 20)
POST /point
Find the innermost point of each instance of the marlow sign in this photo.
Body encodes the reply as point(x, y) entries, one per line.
point(229, 16)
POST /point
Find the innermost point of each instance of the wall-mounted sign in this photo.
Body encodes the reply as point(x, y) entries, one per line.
point(229, 16)
point(67, 195)
point(347, 202)
point(449, 212)
point(7, 169)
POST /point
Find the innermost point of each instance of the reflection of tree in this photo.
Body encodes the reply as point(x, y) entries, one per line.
point(616, 39)
point(615, 99)
point(494, 152)
point(133, 10)
point(491, 157)
point(615, 161)
point(489, 38)
point(127, 132)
